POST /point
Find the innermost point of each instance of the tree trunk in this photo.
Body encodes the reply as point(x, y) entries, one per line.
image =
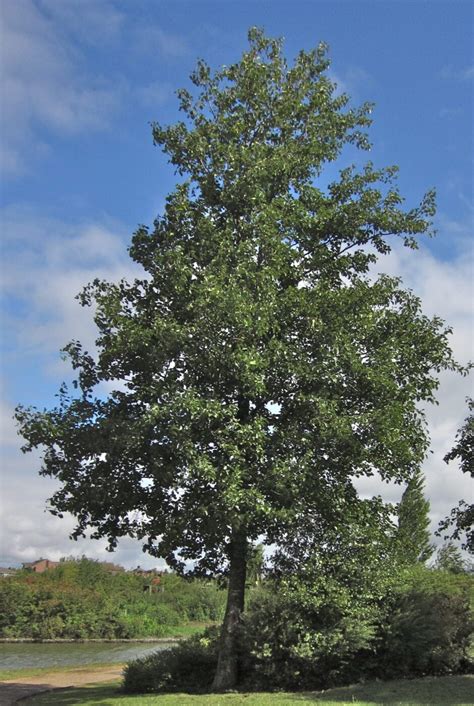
point(226, 673)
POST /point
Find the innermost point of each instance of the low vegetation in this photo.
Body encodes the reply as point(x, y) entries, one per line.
point(82, 600)
point(321, 634)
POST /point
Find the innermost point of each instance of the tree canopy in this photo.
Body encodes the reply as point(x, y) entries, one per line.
point(461, 518)
point(261, 368)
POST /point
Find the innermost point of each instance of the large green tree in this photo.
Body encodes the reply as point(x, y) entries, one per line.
point(413, 535)
point(261, 368)
point(461, 519)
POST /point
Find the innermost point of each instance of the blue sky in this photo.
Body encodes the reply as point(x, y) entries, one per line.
point(82, 79)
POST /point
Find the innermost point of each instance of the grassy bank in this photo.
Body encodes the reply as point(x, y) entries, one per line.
point(442, 691)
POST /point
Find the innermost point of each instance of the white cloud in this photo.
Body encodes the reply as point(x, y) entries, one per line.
point(46, 264)
point(457, 74)
point(446, 289)
point(100, 20)
point(43, 86)
point(445, 286)
point(47, 87)
point(8, 435)
point(28, 531)
point(354, 81)
point(450, 112)
point(153, 94)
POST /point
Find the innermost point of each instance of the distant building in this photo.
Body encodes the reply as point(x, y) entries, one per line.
point(41, 565)
point(147, 573)
point(112, 568)
point(4, 571)
point(153, 577)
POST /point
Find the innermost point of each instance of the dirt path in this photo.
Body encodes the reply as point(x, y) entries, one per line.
point(12, 690)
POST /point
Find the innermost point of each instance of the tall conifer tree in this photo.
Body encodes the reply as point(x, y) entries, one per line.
point(413, 535)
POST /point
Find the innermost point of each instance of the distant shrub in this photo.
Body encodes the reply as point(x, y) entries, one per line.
point(192, 599)
point(81, 599)
point(144, 620)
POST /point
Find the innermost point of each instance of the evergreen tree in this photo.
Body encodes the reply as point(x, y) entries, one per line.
point(413, 535)
point(260, 368)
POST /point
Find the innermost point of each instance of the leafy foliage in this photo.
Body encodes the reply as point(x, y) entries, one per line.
point(302, 635)
point(426, 634)
point(450, 558)
point(462, 516)
point(428, 625)
point(323, 613)
point(188, 666)
point(260, 368)
point(81, 599)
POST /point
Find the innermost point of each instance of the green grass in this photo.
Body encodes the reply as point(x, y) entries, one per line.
point(186, 629)
point(430, 691)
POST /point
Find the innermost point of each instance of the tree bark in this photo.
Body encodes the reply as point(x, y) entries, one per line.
point(226, 672)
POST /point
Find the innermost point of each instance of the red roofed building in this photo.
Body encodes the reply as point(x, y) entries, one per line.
point(40, 565)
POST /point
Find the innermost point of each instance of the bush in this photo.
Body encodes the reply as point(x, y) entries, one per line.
point(425, 633)
point(143, 620)
point(323, 635)
point(189, 666)
point(305, 638)
point(81, 599)
point(192, 599)
point(297, 635)
point(295, 640)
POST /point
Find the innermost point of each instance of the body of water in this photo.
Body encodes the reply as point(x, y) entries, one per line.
point(35, 655)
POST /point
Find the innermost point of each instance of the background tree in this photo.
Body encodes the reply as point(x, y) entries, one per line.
point(462, 516)
point(260, 368)
point(255, 564)
point(450, 558)
point(413, 535)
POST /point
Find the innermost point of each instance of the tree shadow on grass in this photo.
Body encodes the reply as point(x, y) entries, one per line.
point(98, 694)
point(429, 691)
point(433, 691)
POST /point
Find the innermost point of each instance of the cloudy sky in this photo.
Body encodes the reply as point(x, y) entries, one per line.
point(80, 82)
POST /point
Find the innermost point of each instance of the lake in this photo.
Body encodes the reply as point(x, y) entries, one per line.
point(34, 655)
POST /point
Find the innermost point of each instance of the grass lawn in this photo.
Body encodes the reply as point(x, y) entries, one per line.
point(430, 691)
